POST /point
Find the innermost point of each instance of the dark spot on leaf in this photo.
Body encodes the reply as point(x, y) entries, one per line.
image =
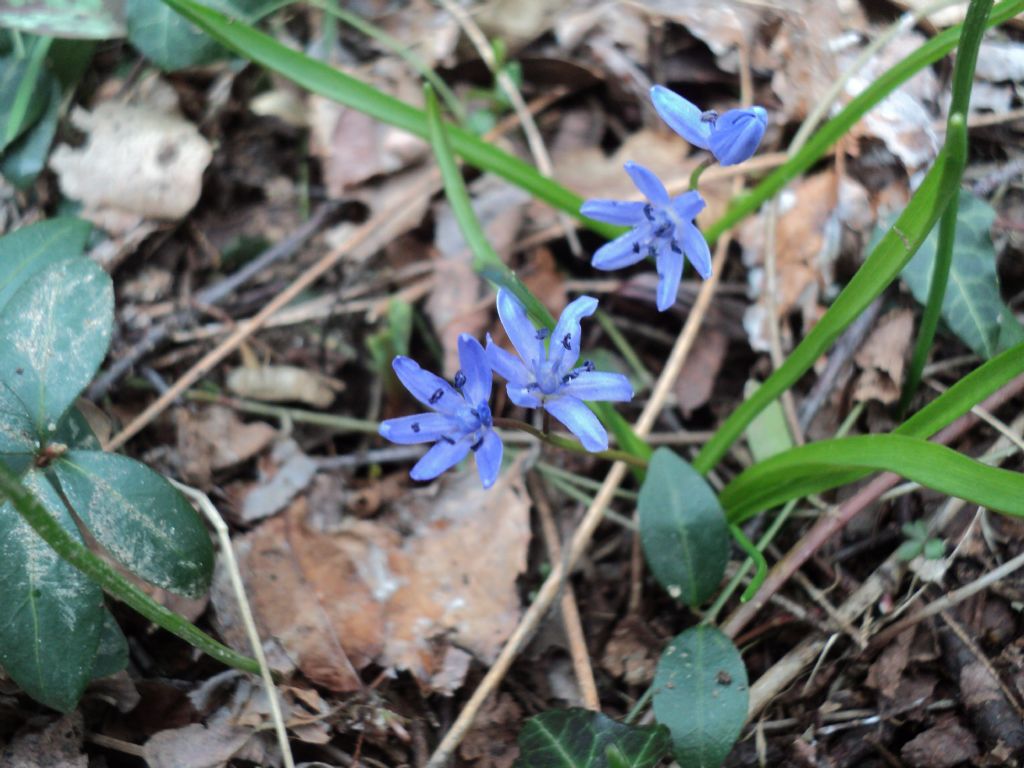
point(723, 677)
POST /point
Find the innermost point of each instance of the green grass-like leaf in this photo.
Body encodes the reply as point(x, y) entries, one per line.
point(795, 473)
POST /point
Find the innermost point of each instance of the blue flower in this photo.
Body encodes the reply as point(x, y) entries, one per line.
point(461, 421)
point(663, 229)
point(732, 137)
point(546, 375)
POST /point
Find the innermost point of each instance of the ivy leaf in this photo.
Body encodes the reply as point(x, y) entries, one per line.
point(54, 333)
point(141, 519)
point(973, 308)
point(51, 614)
point(579, 738)
point(31, 249)
point(112, 651)
point(701, 694)
point(93, 19)
point(682, 528)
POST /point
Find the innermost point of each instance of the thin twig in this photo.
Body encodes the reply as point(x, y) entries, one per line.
point(570, 611)
point(228, 552)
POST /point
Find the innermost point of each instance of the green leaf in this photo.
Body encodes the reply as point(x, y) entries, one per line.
point(141, 519)
point(973, 308)
point(26, 157)
point(91, 19)
point(908, 550)
point(797, 473)
point(54, 333)
point(700, 693)
point(934, 549)
point(579, 738)
point(24, 91)
point(29, 249)
point(768, 434)
point(50, 613)
point(112, 651)
point(165, 38)
point(682, 528)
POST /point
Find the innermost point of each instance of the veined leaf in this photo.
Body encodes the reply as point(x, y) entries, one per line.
point(92, 19)
point(682, 528)
point(579, 738)
point(701, 693)
point(973, 307)
point(30, 249)
point(142, 520)
point(112, 651)
point(54, 333)
point(50, 613)
point(796, 473)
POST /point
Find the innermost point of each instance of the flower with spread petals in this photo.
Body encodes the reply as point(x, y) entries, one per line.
point(663, 230)
point(461, 418)
point(545, 375)
point(731, 137)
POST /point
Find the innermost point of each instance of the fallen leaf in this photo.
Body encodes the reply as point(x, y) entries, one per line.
point(944, 746)
point(362, 593)
point(196, 746)
point(696, 381)
point(882, 358)
point(215, 438)
point(491, 743)
point(137, 162)
point(632, 652)
point(285, 473)
point(57, 745)
point(283, 384)
point(886, 673)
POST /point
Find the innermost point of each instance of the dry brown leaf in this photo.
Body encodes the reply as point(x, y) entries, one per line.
point(283, 384)
point(460, 300)
point(696, 381)
point(491, 742)
point(285, 473)
point(944, 746)
point(1000, 62)
point(882, 358)
point(362, 593)
point(138, 162)
point(215, 438)
point(806, 240)
point(196, 746)
point(56, 745)
point(886, 673)
point(429, 31)
point(632, 652)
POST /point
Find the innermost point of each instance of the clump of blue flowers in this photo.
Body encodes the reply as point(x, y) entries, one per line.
point(547, 372)
point(663, 228)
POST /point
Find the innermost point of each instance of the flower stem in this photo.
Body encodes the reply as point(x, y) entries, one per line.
point(569, 445)
point(695, 176)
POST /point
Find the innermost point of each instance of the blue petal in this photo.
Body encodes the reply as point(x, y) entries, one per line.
point(522, 396)
point(682, 116)
point(696, 249)
point(620, 252)
point(598, 385)
point(688, 205)
point(506, 365)
point(517, 325)
point(670, 272)
point(476, 369)
point(443, 455)
point(579, 420)
point(488, 458)
point(565, 339)
point(648, 184)
point(430, 389)
point(737, 134)
point(419, 428)
point(624, 212)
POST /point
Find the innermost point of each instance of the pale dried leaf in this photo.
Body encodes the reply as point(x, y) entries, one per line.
point(56, 745)
point(882, 358)
point(215, 438)
point(287, 472)
point(696, 381)
point(137, 161)
point(283, 384)
point(196, 746)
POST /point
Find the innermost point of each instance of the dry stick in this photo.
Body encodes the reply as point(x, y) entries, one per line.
point(570, 610)
point(833, 522)
point(551, 587)
point(533, 138)
point(211, 296)
point(235, 576)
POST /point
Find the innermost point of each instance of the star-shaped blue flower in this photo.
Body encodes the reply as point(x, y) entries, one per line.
point(545, 375)
point(461, 418)
point(732, 137)
point(663, 230)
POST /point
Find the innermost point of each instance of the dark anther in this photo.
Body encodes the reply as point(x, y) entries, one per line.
point(652, 252)
point(542, 333)
point(416, 427)
point(636, 247)
point(649, 212)
point(476, 446)
point(588, 366)
point(438, 394)
point(663, 230)
point(709, 117)
point(674, 246)
point(567, 341)
point(460, 379)
point(532, 386)
point(447, 439)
